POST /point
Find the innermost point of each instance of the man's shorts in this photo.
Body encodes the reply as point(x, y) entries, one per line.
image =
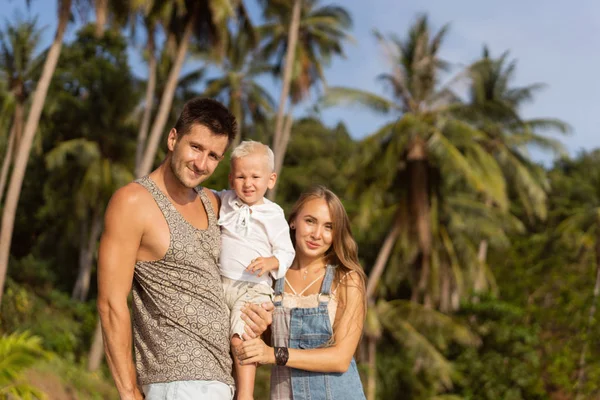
point(237, 294)
point(188, 390)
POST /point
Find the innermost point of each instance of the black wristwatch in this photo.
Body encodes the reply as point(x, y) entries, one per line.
point(281, 355)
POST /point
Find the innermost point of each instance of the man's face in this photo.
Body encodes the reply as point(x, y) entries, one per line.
point(195, 155)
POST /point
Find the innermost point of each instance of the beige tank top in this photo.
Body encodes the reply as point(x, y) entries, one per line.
point(180, 320)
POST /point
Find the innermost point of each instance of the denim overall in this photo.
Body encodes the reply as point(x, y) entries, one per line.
point(310, 328)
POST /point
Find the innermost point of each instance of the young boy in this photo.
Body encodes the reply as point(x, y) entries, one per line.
point(255, 243)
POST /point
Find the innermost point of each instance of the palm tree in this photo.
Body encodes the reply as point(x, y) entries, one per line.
point(150, 25)
point(22, 155)
point(301, 38)
point(206, 20)
point(494, 106)
point(401, 167)
point(7, 109)
point(154, 14)
point(99, 178)
point(19, 64)
point(407, 158)
point(236, 86)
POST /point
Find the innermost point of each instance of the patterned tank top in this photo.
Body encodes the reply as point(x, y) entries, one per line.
point(180, 320)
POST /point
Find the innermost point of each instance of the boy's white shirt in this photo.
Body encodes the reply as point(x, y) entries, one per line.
point(249, 232)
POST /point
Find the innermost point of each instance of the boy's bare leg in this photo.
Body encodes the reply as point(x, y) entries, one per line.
point(244, 374)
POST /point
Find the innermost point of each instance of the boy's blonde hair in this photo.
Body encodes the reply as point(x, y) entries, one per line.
point(249, 147)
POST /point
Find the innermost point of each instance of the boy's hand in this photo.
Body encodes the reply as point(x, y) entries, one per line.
point(263, 265)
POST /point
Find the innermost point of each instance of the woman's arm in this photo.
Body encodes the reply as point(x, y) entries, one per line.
point(347, 333)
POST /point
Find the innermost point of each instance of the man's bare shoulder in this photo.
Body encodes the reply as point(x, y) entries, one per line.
point(131, 200)
point(214, 199)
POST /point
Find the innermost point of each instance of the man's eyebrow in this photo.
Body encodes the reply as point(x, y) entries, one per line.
point(194, 143)
point(220, 157)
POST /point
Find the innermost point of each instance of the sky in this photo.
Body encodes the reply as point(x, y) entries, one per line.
point(554, 43)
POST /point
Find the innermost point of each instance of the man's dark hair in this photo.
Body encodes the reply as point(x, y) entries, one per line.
point(210, 113)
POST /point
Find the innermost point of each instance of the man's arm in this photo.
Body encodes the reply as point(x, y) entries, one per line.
point(123, 229)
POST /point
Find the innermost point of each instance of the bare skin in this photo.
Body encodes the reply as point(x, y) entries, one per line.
point(135, 230)
point(314, 236)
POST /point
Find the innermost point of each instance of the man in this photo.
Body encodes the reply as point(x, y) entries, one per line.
point(161, 237)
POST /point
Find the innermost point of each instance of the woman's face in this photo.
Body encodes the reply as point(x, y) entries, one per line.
point(313, 229)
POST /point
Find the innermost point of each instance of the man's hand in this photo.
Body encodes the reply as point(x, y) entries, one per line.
point(136, 395)
point(257, 318)
point(263, 265)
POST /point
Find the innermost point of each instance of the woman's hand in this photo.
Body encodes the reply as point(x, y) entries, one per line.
point(255, 351)
point(257, 317)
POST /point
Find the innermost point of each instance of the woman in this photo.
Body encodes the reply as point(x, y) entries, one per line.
point(319, 307)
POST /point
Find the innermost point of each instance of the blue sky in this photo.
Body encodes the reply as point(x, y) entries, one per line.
point(554, 43)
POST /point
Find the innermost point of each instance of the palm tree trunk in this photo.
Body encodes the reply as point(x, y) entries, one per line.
point(283, 142)
point(383, 256)
point(280, 152)
point(96, 350)
point(419, 198)
point(480, 279)
point(445, 289)
point(166, 100)
point(10, 150)
point(18, 121)
point(287, 78)
point(372, 377)
point(591, 317)
point(101, 7)
point(149, 101)
point(235, 106)
point(22, 156)
point(88, 249)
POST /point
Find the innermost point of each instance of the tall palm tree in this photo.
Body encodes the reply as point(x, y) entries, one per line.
point(99, 177)
point(494, 105)
point(206, 20)
point(19, 65)
point(154, 15)
point(301, 38)
point(6, 110)
point(22, 155)
point(236, 86)
point(408, 160)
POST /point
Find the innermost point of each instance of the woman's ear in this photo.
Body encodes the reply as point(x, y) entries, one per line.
point(292, 226)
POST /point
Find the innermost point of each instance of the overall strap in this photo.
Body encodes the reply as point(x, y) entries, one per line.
point(326, 286)
point(278, 292)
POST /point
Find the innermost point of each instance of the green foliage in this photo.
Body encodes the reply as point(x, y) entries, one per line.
point(507, 364)
point(75, 379)
point(64, 326)
point(316, 155)
point(18, 352)
point(542, 226)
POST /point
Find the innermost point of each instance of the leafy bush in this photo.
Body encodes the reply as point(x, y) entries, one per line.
point(65, 326)
point(18, 352)
point(506, 365)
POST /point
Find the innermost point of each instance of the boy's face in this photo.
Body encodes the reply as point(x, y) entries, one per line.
point(250, 177)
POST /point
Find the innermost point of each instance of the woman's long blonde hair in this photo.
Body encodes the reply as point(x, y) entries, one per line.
point(344, 250)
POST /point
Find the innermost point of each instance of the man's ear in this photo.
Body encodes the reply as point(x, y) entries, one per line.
point(172, 139)
point(272, 180)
